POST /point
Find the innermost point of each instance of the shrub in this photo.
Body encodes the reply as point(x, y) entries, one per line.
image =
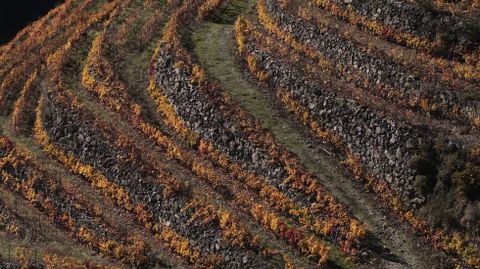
point(450, 164)
point(421, 184)
point(467, 181)
point(426, 172)
point(422, 164)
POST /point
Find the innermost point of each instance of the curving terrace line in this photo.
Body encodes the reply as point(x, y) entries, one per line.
point(215, 49)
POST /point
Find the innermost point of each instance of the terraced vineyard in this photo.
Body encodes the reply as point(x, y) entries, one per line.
point(242, 134)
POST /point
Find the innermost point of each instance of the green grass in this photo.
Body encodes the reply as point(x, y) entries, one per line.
point(214, 49)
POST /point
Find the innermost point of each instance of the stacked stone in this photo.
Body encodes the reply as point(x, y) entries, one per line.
point(75, 135)
point(401, 85)
point(382, 145)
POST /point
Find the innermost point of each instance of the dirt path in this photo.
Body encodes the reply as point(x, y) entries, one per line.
point(214, 48)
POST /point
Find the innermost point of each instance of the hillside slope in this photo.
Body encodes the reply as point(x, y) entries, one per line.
point(242, 134)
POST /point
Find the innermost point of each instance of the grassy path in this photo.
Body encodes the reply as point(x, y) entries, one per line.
point(215, 49)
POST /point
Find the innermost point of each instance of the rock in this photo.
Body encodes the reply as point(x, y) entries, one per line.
point(80, 138)
point(398, 153)
point(409, 144)
point(225, 138)
point(255, 157)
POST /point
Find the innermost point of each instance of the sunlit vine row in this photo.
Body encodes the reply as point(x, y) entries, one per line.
point(118, 195)
point(95, 59)
point(461, 247)
point(208, 7)
point(111, 90)
point(55, 261)
point(15, 164)
point(33, 39)
point(16, 74)
point(297, 178)
point(456, 108)
point(396, 35)
point(429, 68)
point(231, 230)
point(10, 221)
point(22, 116)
